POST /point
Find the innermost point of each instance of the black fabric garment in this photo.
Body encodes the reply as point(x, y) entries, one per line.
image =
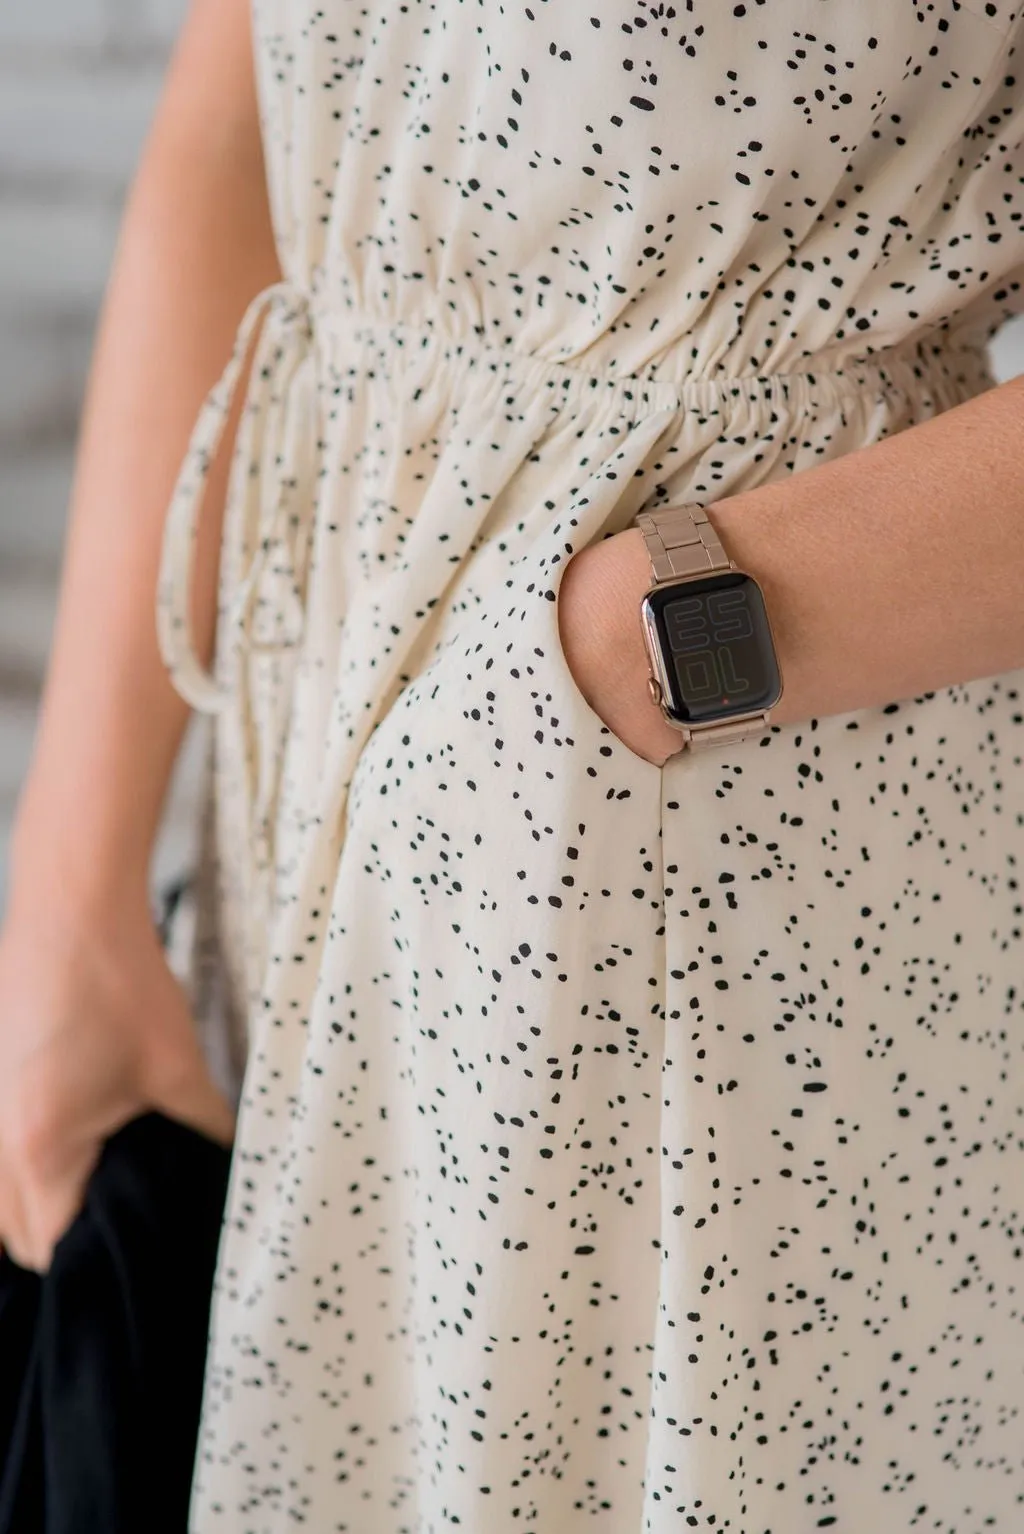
point(101, 1357)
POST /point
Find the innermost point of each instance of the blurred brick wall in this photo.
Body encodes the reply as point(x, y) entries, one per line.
point(78, 83)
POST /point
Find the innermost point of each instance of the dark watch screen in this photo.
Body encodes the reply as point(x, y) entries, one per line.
point(719, 656)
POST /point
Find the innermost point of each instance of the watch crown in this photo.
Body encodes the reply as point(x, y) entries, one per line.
point(654, 689)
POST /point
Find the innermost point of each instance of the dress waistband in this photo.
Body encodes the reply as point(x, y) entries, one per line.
point(299, 320)
point(930, 362)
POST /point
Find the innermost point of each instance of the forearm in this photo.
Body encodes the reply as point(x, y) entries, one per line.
point(195, 245)
point(888, 572)
point(897, 569)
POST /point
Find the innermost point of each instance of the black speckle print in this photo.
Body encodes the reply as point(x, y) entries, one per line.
point(621, 1148)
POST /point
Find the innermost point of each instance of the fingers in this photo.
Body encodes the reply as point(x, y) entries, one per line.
point(49, 1148)
point(50, 1210)
point(42, 1198)
point(67, 1091)
point(36, 1210)
point(12, 1224)
point(194, 1099)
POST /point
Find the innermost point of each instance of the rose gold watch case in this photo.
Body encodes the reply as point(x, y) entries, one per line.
point(720, 731)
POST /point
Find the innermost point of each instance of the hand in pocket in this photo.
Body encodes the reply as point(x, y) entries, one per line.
point(599, 629)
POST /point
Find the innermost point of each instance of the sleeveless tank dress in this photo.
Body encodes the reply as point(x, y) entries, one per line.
point(620, 1148)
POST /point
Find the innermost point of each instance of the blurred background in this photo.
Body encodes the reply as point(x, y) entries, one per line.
point(78, 83)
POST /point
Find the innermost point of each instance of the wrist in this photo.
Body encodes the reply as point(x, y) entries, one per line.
point(623, 662)
point(57, 875)
point(713, 650)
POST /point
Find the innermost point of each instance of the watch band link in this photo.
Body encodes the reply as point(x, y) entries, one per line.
point(727, 733)
point(681, 541)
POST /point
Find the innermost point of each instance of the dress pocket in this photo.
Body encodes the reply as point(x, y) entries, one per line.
point(568, 702)
point(1002, 15)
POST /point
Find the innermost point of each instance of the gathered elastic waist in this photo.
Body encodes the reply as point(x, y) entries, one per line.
point(302, 339)
point(931, 365)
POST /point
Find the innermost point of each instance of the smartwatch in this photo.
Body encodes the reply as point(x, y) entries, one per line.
point(715, 671)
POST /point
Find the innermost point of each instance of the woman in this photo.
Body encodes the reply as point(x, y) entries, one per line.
point(630, 1137)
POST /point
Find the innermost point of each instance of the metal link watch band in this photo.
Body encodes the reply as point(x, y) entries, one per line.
point(681, 542)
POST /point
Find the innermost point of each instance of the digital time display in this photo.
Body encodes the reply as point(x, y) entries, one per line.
point(715, 636)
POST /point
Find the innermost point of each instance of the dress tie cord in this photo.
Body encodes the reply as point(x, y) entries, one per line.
point(250, 622)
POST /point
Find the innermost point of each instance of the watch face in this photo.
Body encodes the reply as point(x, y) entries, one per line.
point(719, 659)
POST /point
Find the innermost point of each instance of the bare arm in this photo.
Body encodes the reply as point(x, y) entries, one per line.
point(891, 571)
point(897, 569)
point(196, 244)
point(94, 1028)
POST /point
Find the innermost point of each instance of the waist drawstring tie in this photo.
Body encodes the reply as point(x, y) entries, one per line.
point(263, 543)
point(263, 564)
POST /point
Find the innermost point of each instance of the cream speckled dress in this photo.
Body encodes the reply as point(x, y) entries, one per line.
point(621, 1148)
